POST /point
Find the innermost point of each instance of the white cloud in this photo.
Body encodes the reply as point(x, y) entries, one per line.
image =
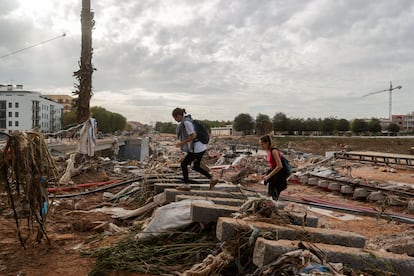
point(218, 58)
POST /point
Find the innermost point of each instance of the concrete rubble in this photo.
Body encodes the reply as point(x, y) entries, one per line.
point(226, 200)
point(236, 206)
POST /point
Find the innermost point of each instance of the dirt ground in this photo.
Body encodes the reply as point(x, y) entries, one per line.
point(72, 231)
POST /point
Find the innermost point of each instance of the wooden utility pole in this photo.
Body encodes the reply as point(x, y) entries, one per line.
point(84, 74)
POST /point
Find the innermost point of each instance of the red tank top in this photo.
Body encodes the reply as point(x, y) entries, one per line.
point(270, 159)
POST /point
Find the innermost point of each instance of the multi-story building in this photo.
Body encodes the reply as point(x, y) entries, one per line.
point(65, 100)
point(25, 110)
point(405, 122)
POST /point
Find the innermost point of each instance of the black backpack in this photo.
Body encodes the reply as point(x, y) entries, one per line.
point(287, 168)
point(202, 133)
point(200, 129)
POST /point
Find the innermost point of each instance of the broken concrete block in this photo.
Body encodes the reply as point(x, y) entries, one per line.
point(334, 186)
point(313, 181)
point(323, 184)
point(206, 213)
point(266, 251)
point(227, 228)
point(347, 190)
point(304, 179)
point(170, 194)
point(394, 200)
point(160, 187)
point(376, 196)
point(410, 206)
point(301, 219)
point(216, 200)
point(360, 193)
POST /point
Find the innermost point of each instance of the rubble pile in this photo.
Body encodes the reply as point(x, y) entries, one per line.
point(129, 215)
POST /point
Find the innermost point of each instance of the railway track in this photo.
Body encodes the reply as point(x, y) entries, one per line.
point(382, 193)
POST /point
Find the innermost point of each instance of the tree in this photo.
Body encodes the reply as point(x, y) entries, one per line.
point(312, 125)
point(108, 122)
point(280, 122)
point(374, 126)
point(296, 125)
point(328, 126)
point(393, 128)
point(244, 122)
point(359, 126)
point(342, 125)
point(263, 124)
point(68, 119)
point(165, 127)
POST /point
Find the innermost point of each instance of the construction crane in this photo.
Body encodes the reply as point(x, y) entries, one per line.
point(390, 96)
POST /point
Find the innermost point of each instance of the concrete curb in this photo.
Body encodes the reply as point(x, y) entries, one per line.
point(172, 193)
point(227, 229)
point(206, 213)
point(216, 200)
point(160, 187)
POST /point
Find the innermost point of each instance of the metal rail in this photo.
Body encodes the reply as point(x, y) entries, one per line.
point(377, 157)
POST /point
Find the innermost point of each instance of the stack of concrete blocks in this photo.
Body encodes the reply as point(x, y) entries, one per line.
point(339, 246)
point(323, 184)
point(313, 181)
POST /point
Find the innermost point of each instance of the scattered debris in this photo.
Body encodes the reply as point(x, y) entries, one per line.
point(115, 201)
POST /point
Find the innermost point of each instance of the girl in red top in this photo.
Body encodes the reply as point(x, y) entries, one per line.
point(274, 178)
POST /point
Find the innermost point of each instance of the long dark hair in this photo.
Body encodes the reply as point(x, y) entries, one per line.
point(267, 139)
point(178, 111)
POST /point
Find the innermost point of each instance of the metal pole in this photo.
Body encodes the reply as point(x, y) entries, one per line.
point(390, 102)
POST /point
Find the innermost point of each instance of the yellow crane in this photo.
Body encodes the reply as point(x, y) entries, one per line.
point(390, 96)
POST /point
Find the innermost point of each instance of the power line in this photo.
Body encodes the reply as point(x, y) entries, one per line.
point(40, 43)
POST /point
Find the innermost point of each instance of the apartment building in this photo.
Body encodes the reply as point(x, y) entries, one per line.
point(405, 122)
point(25, 110)
point(65, 100)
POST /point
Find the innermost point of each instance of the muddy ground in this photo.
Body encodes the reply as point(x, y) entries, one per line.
point(74, 233)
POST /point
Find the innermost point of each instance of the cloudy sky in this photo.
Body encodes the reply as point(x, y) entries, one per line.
point(219, 58)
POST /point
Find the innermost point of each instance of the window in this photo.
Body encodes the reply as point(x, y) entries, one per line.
point(10, 105)
point(10, 123)
point(16, 123)
point(10, 114)
point(16, 114)
point(16, 105)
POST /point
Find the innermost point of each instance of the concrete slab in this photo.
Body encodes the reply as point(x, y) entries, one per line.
point(267, 251)
point(206, 213)
point(160, 187)
point(302, 219)
point(216, 200)
point(170, 194)
point(227, 229)
point(177, 180)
